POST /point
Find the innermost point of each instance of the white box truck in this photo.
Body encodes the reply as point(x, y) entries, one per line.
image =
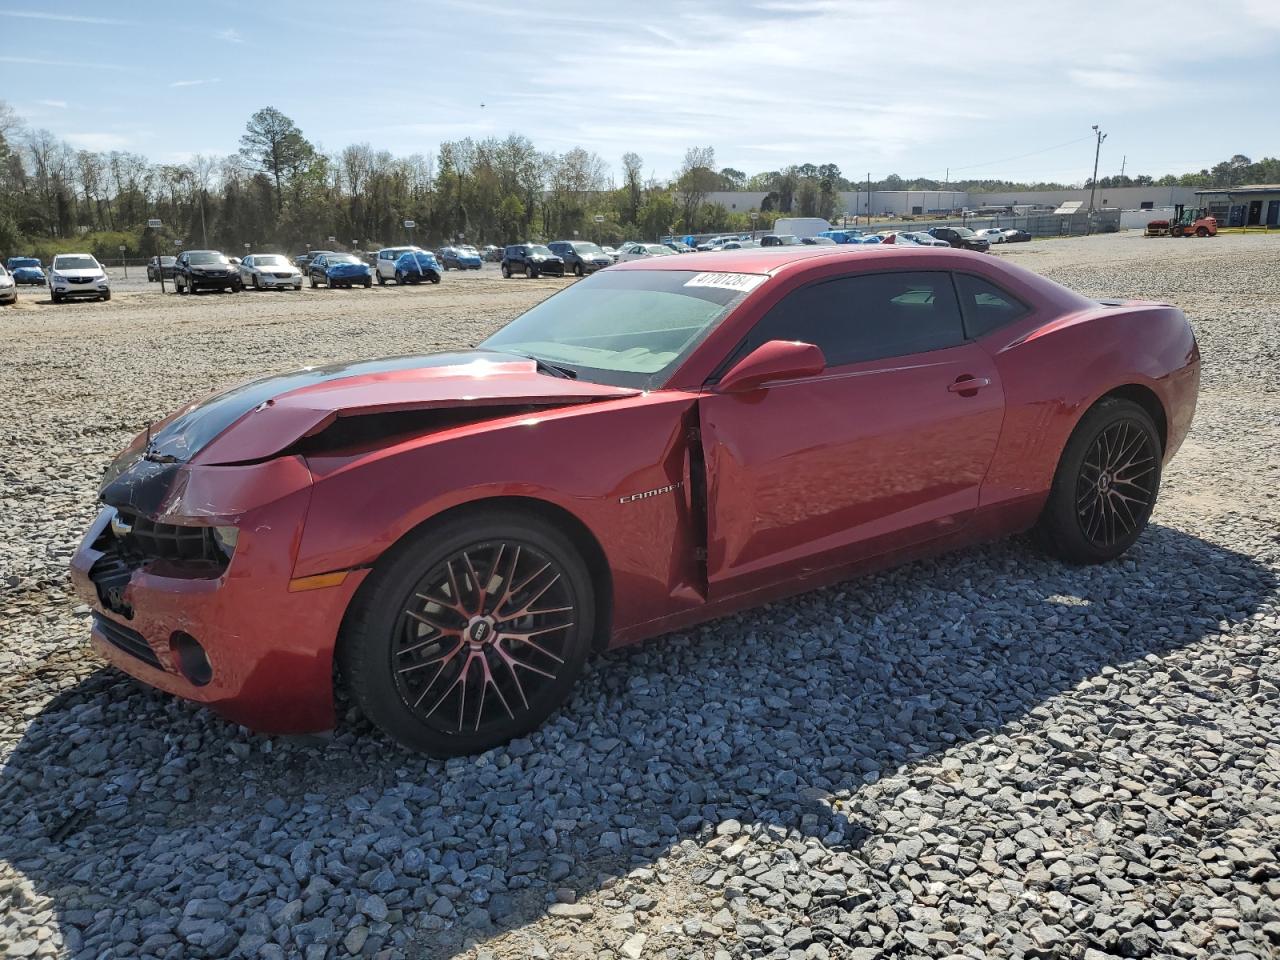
point(800, 226)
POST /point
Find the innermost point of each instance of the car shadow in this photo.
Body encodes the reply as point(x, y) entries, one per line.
point(138, 816)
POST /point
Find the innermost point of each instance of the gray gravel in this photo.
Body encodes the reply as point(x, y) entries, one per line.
point(985, 755)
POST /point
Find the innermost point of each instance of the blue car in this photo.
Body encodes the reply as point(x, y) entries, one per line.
point(339, 270)
point(843, 236)
point(460, 258)
point(415, 266)
point(26, 270)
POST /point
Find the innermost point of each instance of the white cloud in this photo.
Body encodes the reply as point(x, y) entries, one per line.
point(230, 36)
point(195, 83)
point(59, 104)
point(98, 141)
point(64, 18)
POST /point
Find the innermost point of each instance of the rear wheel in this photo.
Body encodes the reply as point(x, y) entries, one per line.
point(1106, 484)
point(312, 278)
point(1202, 231)
point(506, 272)
point(470, 633)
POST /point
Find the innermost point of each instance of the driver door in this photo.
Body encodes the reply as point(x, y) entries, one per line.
point(886, 448)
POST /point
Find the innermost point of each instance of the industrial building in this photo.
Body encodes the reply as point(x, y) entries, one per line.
point(1256, 205)
point(898, 203)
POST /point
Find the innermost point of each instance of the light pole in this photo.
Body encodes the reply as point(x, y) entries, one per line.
point(156, 225)
point(124, 262)
point(1093, 186)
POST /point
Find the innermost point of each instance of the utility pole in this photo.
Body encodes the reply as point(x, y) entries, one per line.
point(868, 198)
point(1093, 186)
point(1123, 160)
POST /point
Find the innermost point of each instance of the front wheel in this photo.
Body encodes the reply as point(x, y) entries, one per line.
point(368, 283)
point(312, 279)
point(382, 281)
point(106, 295)
point(434, 277)
point(506, 272)
point(1202, 231)
point(1106, 484)
point(470, 633)
point(577, 270)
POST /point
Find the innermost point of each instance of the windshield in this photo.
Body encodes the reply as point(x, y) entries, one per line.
point(341, 258)
point(626, 328)
point(24, 262)
point(206, 256)
point(421, 259)
point(964, 232)
point(543, 251)
point(75, 263)
point(587, 248)
point(270, 260)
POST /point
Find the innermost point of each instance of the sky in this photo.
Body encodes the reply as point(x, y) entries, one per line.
point(995, 89)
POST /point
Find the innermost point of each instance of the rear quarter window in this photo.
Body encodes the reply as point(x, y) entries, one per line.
point(986, 306)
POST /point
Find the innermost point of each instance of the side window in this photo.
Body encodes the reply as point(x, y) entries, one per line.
point(867, 317)
point(986, 307)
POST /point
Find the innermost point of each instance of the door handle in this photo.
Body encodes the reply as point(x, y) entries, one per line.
point(968, 384)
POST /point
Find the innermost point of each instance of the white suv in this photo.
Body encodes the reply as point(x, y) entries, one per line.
point(77, 275)
point(386, 268)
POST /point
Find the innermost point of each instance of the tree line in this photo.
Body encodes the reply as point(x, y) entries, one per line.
point(280, 191)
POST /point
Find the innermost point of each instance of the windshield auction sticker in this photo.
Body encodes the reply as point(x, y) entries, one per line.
point(742, 282)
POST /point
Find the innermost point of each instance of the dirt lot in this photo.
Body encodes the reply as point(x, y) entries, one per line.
point(986, 755)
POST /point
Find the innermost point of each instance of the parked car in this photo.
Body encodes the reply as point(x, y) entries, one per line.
point(427, 529)
point(715, 243)
point(161, 266)
point(303, 260)
point(73, 275)
point(491, 254)
point(897, 237)
point(818, 241)
point(532, 260)
point(843, 236)
point(644, 251)
point(925, 239)
point(459, 258)
point(611, 252)
point(269, 271)
point(26, 270)
point(992, 235)
point(385, 264)
point(1016, 236)
point(779, 240)
point(197, 270)
point(8, 288)
point(961, 238)
point(335, 270)
point(679, 246)
point(580, 256)
point(416, 266)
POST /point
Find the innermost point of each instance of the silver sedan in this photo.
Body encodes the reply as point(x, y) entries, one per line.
point(268, 271)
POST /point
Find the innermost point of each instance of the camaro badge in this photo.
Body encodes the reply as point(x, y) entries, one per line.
point(656, 492)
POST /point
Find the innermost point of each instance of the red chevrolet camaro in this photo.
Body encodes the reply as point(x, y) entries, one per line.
point(664, 442)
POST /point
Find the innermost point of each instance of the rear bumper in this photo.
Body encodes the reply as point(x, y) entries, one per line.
point(269, 650)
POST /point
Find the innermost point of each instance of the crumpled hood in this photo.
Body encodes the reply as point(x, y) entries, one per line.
point(258, 419)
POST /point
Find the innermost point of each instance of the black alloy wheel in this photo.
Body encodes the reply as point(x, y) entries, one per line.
point(1106, 484)
point(471, 636)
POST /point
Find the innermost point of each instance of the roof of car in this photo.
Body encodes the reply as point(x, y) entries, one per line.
point(770, 259)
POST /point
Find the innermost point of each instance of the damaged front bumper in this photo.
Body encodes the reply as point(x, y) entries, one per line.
point(242, 637)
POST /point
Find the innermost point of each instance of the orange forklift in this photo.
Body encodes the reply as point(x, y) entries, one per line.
point(1196, 222)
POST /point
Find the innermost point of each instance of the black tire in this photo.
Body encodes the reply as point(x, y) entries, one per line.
point(311, 278)
point(382, 281)
point(382, 631)
point(106, 296)
point(368, 283)
point(531, 273)
point(577, 270)
point(434, 277)
point(257, 282)
point(506, 272)
point(55, 297)
point(399, 279)
point(181, 289)
point(1106, 484)
point(1202, 232)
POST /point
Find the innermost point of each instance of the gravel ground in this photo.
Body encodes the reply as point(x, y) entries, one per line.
point(985, 755)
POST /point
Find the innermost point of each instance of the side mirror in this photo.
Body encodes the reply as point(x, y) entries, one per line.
point(773, 361)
